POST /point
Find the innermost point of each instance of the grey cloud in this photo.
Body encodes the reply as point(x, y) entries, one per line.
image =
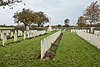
point(58, 10)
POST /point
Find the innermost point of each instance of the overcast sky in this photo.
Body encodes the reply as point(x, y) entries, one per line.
point(58, 10)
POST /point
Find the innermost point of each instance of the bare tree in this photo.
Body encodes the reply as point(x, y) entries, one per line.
point(92, 13)
point(10, 3)
point(7, 2)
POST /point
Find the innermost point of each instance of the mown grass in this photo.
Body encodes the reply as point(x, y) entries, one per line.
point(72, 52)
point(11, 40)
point(76, 52)
point(20, 53)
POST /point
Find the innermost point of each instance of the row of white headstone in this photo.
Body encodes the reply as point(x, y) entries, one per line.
point(31, 33)
point(27, 34)
point(91, 38)
point(8, 32)
point(4, 34)
point(96, 32)
point(47, 42)
point(84, 30)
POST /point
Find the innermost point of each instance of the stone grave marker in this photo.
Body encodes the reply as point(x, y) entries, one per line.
point(15, 36)
point(4, 39)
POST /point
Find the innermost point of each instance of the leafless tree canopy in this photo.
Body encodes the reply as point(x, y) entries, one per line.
point(8, 2)
point(92, 12)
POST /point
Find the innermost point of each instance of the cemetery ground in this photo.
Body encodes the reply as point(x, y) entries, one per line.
point(21, 52)
point(72, 51)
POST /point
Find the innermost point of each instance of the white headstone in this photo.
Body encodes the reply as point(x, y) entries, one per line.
point(92, 28)
point(4, 39)
point(19, 33)
point(15, 36)
point(12, 34)
point(27, 27)
point(28, 35)
point(24, 35)
point(2, 35)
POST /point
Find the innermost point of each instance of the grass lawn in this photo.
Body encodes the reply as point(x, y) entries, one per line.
point(18, 54)
point(9, 41)
point(72, 52)
point(76, 52)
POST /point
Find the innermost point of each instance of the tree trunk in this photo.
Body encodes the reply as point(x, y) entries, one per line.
point(25, 26)
point(38, 26)
point(91, 23)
